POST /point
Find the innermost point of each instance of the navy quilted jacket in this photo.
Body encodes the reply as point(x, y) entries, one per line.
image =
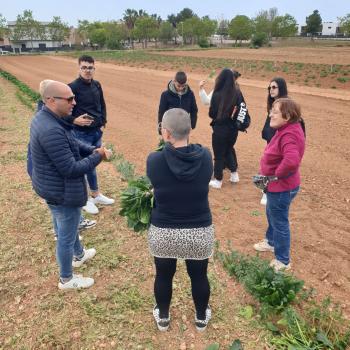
point(58, 168)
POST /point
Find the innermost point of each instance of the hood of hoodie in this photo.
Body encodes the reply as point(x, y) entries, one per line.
point(184, 162)
point(171, 88)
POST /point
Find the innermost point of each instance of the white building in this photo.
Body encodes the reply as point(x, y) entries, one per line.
point(25, 44)
point(330, 28)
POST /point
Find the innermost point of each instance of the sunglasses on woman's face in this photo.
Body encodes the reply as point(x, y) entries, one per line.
point(273, 87)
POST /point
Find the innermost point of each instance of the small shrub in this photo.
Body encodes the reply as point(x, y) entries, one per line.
point(203, 43)
point(259, 39)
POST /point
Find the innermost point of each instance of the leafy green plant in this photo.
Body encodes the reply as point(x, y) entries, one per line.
point(126, 169)
point(160, 146)
point(275, 291)
point(136, 203)
point(343, 79)
point(24, 88)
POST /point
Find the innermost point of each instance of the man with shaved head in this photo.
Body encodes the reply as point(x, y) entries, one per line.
point(60, 163)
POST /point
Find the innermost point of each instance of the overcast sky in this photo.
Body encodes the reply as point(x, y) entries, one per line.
point(72, 10)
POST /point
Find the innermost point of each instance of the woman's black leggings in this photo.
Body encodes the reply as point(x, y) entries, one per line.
point(163, 284)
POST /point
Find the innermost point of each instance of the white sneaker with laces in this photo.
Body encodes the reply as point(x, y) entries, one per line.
point(88, 254)
point(215, 183)
point(77, 282)
point(101, 199)
point(90, 207)
point(264, 246)
point(234, 177)
point(263, 199)
point(279, 266)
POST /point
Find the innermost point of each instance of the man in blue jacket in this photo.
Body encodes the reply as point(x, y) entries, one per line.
point(58, 176)
point(178, 95)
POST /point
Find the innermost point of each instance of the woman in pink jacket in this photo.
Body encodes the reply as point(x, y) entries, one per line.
point(281, 161)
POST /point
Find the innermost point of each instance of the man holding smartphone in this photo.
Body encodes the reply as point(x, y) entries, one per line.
point(89, 119)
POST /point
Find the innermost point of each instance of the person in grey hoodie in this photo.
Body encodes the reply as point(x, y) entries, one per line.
point(178, 95)
point(181, 221)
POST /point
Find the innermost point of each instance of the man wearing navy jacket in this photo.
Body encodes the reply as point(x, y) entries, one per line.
point(58, 176)
point(89, 117)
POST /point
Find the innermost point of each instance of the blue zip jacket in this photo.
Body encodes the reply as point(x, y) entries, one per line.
point(58, 168)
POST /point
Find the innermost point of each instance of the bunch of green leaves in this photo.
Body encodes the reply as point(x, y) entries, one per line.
point(25, 89)
point(160, 146)
point(136, 203)
point(275, 291)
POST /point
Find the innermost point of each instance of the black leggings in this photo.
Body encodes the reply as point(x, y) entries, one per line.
point(163, 284)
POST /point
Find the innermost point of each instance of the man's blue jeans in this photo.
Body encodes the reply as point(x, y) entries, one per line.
point(65, 222)
point(91, 138)
point(278, 231)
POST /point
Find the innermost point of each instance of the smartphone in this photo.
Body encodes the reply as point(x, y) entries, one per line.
point(89, 117)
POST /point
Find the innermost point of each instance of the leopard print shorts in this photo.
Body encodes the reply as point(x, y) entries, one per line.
point(181, 243)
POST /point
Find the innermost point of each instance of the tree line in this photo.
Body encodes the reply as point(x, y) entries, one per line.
point(138, 25)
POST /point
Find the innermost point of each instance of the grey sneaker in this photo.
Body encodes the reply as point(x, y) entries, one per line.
point(201, 325)
point(86, 224)
point(162, 323)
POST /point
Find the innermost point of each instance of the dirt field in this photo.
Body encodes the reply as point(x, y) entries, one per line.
point(325, 55)
point(320, 216)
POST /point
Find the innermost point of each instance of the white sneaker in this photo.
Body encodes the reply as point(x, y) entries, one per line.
point(101, 199)
point(264, 246)
point(215, 183)
point(77, 281)
point(90, 207)
point(279, 266)
point(234, 177)
point(88, 254)
point(263, 199)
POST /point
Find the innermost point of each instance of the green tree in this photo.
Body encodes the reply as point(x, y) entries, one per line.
point(145, 29)
point(344, 23)
point(27, 28)
point(83, 30)
point(116, 33)
point(241, 28)
point(3, 27)
point(58, 30)
point(314, 23)
point(166, 32)
point(185, 14)
point(189, 29)
point(284, 26)
point(98, 36)
point(263, 21)
point(222, 28)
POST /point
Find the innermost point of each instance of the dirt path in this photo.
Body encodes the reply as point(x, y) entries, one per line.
point(320, 217)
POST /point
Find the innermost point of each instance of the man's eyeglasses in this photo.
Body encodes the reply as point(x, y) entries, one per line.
point(91, 68)
point(272, 87)
point(68, 99)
